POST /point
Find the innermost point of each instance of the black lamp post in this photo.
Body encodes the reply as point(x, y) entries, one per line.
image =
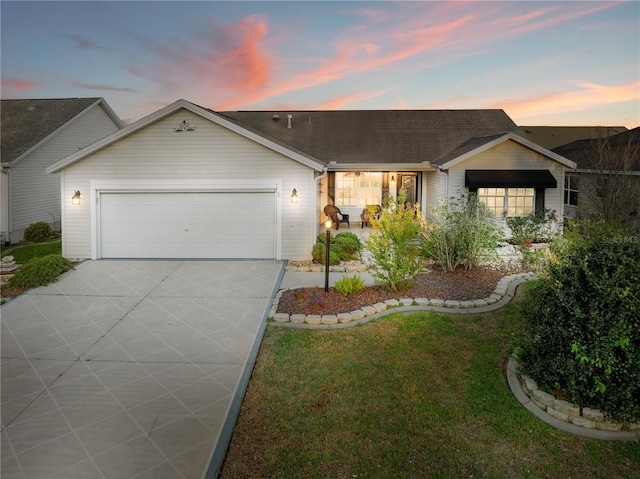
point(327, 256)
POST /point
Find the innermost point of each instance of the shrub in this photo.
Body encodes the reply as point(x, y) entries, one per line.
point(582, 330)
point(463, 232)
point(349, 285)
point(394, 245)
point(344, 247)
point(536, 227)
point(40, 271)
point(37, 232)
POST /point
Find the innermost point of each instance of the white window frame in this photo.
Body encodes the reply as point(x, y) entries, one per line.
point(356, 189)
point(514, 201)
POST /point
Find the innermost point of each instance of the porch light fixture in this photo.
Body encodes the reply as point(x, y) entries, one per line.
point(393, 180)
point(327, 255)
point(294, 196)
point(75, 199)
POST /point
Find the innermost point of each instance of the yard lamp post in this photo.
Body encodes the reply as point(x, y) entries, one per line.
point(326, 255)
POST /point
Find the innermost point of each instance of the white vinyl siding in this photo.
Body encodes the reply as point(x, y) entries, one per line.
point(35, 195)
point(211, 152)
point(436, 182)
point(512, 156)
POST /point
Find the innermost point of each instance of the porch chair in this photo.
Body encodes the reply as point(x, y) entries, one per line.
point(336, 216)
point(365, 216)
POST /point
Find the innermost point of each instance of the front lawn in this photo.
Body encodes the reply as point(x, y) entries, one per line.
point(22, 254)
point(409, 395)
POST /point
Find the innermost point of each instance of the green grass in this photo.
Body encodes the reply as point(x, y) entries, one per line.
point(22, 254)
point(413, 395)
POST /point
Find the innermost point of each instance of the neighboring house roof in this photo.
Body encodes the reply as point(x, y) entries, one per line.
point(221, 120)
point(583, 151)
point(26, 124)
point(374, 137)
point(553, 136)
point(477, 145)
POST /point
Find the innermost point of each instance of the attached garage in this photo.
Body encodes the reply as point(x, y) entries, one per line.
point(232, 224)
point(186, 182)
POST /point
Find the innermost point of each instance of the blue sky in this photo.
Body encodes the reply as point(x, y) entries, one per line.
point(544, 63)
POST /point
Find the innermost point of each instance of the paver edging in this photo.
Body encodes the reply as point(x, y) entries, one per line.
point(506, 287)
point(561, 414)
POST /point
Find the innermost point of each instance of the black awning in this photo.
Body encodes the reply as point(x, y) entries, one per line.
point(509, 179)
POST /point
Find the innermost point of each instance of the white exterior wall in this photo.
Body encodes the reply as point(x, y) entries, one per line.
point(436, 187)
point(512, 156)
point(34, 195)
point(210, 153)
point(4, 206)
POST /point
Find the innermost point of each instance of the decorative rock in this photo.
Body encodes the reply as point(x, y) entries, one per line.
point(437, 302)
point(449, 303)
point(478, 303)
point(492, 299)
point(557, 414)
point(593, 414)
point(565, 407)
point(357, 314)
point(297, 318)
point(406, 301)
point(467, 304)
point(500, 291)
point(380, 307)
point(583, 422)
point(281, 318)
point(422, 301)
point(345, 318)
point(529, 385)
point(313, 319)
point(392, 302)
point(329, 319)
point(368, 310)
point(543, 398)
point(608, 426)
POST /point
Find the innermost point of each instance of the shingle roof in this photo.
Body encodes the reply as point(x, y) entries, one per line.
point(554, 136)
point(377, 136)
point(583, 151)
point(27, 122)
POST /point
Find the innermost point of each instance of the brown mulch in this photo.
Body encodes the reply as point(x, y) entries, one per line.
point(460, 285)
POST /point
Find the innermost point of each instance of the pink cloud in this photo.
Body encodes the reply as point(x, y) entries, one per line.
point(19, 84)
point(586, 96)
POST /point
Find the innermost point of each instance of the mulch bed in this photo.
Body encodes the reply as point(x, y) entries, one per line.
point(460, 285)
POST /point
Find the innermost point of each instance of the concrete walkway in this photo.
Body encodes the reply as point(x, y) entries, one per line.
point(129, 369)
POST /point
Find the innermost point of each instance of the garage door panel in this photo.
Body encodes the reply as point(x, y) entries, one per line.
point(188, 225)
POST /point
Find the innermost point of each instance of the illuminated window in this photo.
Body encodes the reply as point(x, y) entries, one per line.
point(358, 189)
point(509, 201)
point(571, 190)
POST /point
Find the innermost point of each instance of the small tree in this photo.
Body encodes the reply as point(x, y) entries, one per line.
point(610, 178)
point(463, 232)
point(394, 244)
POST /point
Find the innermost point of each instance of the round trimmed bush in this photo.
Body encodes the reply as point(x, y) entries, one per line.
point(582, 333)
point(37, 232)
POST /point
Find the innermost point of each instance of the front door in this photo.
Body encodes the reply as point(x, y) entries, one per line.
point(408, 187)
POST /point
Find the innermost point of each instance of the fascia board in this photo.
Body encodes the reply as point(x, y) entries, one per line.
point(66, 125)
point(381, 167)
point(506, 137)
point(162, 113)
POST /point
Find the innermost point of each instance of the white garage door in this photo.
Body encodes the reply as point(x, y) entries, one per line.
point(188, 225)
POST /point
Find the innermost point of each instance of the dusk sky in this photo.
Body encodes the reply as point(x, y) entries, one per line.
point(544, 63)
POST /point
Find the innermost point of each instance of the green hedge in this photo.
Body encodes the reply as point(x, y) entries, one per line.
point(582, 334)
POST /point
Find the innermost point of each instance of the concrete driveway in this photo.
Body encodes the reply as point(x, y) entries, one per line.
point(129, 369)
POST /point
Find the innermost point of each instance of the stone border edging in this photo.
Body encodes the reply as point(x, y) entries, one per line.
point(556, 418)
point(504, 292)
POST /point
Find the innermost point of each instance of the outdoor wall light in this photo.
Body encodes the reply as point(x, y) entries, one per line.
point(75, 199)
point(294, 196)
point(393, 180)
